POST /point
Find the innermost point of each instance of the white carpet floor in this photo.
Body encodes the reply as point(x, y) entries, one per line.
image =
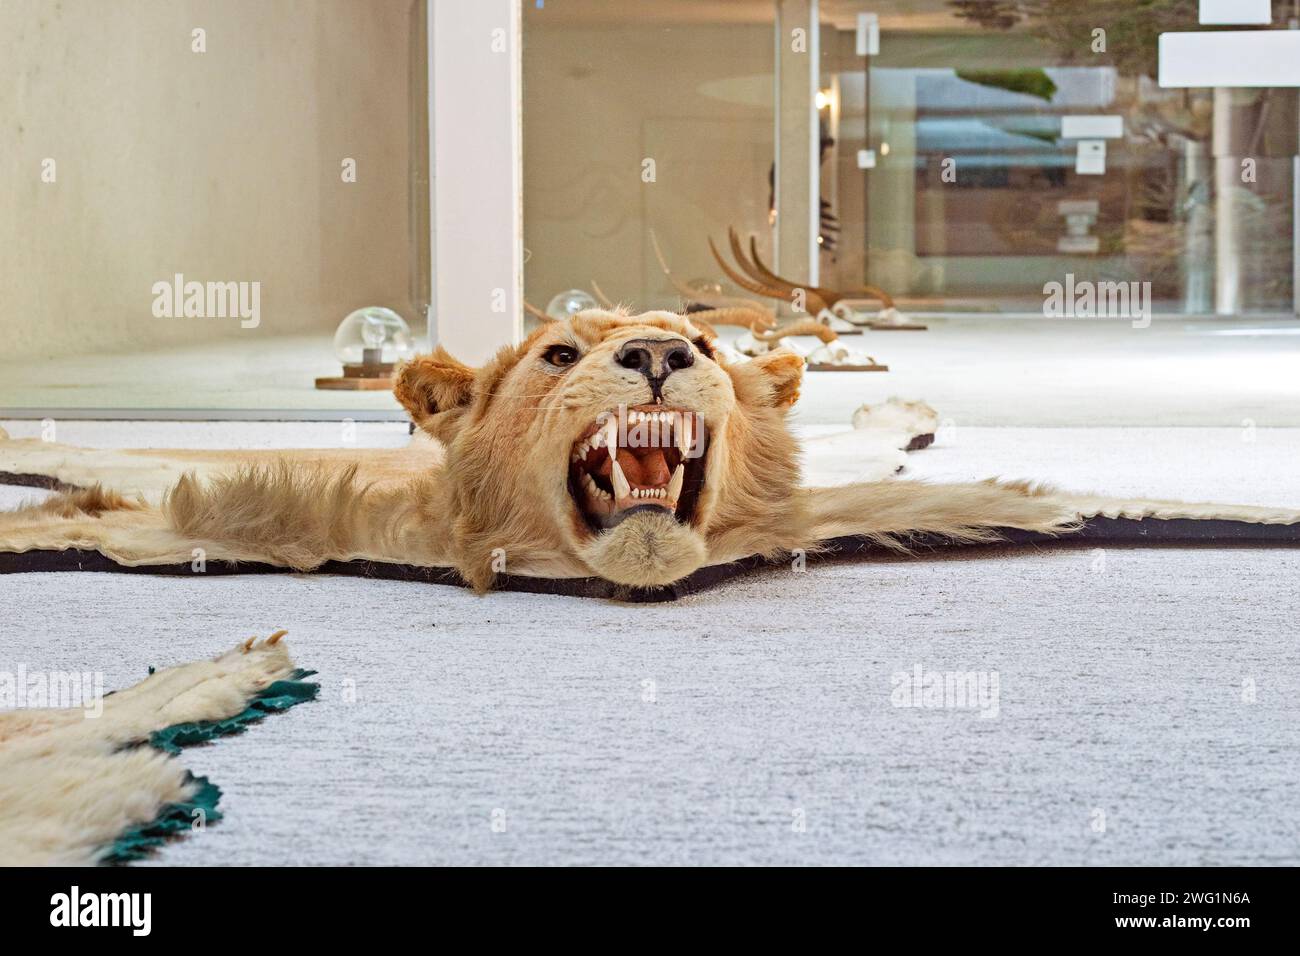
point(977, 370)
point(753, 723)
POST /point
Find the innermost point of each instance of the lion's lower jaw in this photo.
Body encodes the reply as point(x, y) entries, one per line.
point(645, 550)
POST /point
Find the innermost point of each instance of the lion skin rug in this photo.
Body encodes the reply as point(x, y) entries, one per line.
point(608, 455)
point(83, 785)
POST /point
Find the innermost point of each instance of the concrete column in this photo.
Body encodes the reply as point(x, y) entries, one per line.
point(1198, 257)
point(1295, 234)
point(476, 150)
point(797, 186)
point(1227, 198)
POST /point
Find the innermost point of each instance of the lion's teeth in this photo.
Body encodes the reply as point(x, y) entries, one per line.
point(684, 435)
point(611, 434)
point(594, 489)
point(622, 489)
point(675, 484)
point(643, 493)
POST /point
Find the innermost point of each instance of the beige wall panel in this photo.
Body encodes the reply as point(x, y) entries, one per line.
point(223, 165)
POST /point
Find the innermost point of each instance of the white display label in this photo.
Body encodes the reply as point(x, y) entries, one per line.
point(1092, 127)
point(1091, 157)
point(1236, 11)
point(1230, 58)
point(868, 35)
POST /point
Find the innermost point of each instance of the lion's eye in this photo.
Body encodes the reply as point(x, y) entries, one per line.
point(561, 355)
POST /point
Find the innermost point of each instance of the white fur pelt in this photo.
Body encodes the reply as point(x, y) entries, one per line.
point(70, 783)
point(875, 449)
point(301, 508)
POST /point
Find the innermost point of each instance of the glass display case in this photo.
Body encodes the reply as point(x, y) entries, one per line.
point(960, 155)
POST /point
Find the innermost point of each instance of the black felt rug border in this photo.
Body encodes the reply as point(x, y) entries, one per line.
point(1118, 532)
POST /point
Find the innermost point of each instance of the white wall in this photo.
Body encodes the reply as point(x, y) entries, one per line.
point(475, 128)
point(222, 165)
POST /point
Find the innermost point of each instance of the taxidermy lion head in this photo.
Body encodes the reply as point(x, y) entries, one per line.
point(611, 445)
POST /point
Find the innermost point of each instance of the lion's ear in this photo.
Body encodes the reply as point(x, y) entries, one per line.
point(432, 385)
point(780, 374)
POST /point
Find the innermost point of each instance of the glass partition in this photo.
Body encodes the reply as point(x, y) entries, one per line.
point(643, 124)
point(198, 194)
point(971, 155)
point(1017, 144)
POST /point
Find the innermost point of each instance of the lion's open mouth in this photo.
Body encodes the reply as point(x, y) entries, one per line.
point(659, 463)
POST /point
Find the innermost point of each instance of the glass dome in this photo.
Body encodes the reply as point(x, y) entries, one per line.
point(373, 336)
point(570, 303)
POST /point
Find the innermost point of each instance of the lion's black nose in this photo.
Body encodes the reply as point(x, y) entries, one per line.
point(656, 359)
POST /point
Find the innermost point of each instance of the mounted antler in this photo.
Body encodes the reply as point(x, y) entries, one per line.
point(603, 299)
point(745, 318)
point(815, 303)
point(759, 271)
point(817, 298)
point(716, 301)
point(770, 278)
point(802, 327)
point(831, 296)
point(537, 313)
